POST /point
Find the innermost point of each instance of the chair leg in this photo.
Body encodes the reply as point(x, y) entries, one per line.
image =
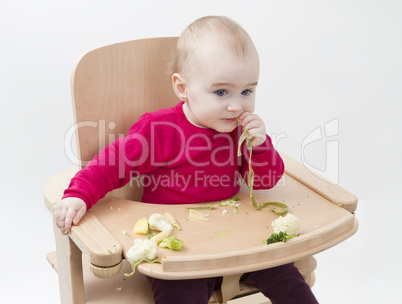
point(310, 278)
point(69, 258)
point(307, 266)
point(229, 289)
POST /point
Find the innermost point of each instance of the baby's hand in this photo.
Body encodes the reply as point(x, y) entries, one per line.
point(69, 211)
point(255, 126)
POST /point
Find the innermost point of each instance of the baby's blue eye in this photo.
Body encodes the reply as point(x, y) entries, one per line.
point(221, 92)
point(246, 92)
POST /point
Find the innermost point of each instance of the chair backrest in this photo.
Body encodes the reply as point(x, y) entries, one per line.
point(113, 86)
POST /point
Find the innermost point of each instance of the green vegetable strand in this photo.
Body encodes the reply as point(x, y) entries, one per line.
point(135, 264)
point(283, 206)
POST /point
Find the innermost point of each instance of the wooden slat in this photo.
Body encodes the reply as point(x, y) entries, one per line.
point(116, 84)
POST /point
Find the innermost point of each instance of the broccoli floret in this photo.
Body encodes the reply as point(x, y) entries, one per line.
point(279, 237)
point(172, 243)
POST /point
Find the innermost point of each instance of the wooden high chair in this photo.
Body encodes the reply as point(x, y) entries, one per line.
point(111, 87)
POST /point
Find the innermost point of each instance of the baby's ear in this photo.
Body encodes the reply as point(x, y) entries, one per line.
point(179, 86)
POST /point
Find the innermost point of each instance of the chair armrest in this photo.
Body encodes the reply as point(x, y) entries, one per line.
point(334, 193)
point(54, 187)
point(96, 242)
point(90, 235)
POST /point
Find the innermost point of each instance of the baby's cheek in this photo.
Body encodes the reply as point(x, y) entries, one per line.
point(250, 107)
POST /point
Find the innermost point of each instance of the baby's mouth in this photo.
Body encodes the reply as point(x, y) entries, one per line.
point(230, 119)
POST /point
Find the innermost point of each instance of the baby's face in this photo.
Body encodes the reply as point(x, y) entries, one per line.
point(220, 86)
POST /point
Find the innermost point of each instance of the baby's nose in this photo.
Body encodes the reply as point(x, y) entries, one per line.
point(235, 106)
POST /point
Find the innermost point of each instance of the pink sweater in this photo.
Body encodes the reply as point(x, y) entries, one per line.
point(179, 163)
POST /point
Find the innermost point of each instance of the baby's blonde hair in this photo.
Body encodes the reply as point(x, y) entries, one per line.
point(233, 36)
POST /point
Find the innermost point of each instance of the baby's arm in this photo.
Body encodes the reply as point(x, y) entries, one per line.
point(69, 211)
point(255, 126)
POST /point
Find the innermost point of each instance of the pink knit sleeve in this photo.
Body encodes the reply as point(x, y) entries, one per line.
point(114, 166)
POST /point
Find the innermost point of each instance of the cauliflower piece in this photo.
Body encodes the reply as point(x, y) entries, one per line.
point(289, 224)
point(143, 249)
point(160, 222)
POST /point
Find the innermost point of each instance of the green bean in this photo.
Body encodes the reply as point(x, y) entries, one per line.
point(253, 200)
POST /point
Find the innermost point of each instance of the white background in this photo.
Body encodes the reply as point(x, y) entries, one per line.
point(320, 60)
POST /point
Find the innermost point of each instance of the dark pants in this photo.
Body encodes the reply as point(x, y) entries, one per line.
point(282, 285)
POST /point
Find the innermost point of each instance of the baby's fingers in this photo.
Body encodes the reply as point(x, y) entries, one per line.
point(80, 213)
point(68, 221)
point(68, 212)
point(257, 140)
point(59, 216)
point(73, 216)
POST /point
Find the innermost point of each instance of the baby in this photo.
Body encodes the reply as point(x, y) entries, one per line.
point(215, 74)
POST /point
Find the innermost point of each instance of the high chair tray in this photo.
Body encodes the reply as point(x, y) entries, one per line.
point(228, 243)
